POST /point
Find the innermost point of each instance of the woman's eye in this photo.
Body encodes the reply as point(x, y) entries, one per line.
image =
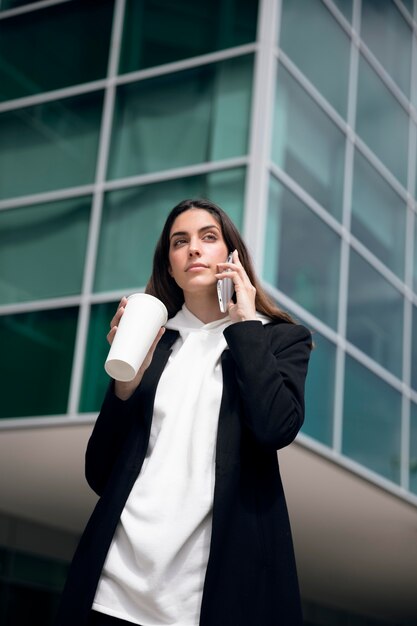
point(210, 236)
point(178, 242)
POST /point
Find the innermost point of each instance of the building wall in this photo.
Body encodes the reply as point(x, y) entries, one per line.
point(298, 117)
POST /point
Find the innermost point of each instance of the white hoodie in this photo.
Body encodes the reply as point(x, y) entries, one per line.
point(154, 571)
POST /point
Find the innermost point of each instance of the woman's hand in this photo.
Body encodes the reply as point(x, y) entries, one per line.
point(244, 309)
point(124, 390)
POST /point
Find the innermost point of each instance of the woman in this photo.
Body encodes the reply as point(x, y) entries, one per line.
point(191, 527)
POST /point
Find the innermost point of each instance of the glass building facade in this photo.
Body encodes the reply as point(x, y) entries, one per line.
point(298, 117)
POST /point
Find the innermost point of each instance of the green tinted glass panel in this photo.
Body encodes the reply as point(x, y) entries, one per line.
point(50, 145)
point(301, 254)
point(133, 219)
point(42, 250)
point(95, 379)
point(162, 31)
point(371, 421)
point(53, 47)
point(181, 119)
point(378, 109)
point(387, 34)
point(39, 347)
point(307, 42)
point(319, 392)
point(345, 6)
point(375, 308)
point(378, 215)
point(413, 448)
point(307, 144)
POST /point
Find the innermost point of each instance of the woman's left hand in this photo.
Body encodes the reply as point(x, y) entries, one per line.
point(244, 309)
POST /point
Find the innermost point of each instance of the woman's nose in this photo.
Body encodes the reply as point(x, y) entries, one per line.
point(193, 250)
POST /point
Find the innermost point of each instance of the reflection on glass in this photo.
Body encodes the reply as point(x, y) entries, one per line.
point(378, 215)
point(307, 144)
point(375, 314)
point(133, 219)
point(307, 42)
point(413, 448)
point(49, 146)
point(187, 29)
point(36, 373)
point(42, 250)
point(95, 379)
point(181, 119)
point(387, 34)
point(53, 48)
point(382, 122)
point(319, 393)
point(301, 254)
point(371, 421)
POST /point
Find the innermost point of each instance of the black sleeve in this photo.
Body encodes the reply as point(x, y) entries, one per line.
point(271, 364)
point(108, 437)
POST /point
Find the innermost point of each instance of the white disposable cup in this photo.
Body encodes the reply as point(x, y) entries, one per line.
point(139, 325)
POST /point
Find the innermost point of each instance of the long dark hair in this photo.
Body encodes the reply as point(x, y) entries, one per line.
point(163, 286)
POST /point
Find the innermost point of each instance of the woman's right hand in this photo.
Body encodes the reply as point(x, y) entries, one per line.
point(124, 390)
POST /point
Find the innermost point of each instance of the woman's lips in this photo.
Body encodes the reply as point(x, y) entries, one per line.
point(195, 267)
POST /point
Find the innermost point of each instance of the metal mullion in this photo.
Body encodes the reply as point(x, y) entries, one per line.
point(408, 273)
point(185, 64)
point(376, 368)
point(299, 311)
point(305, 197)
point(412, 297)
point(114, 295)
point(345, 241)
point(384, 76)
point(52, 96)
point(380, 167)
point(370, 364)
point(33, 422)
point(261, 126)
point(123, 183)
point(405, 441)
point(95, 220)
point(373, 260)
point(29, 8)
point(312, 91)
point(40, 305)
point(342, 21)
point(356, 468)
point(47, 196)
point(404, 12)
point(131, 77)
point(177, 172)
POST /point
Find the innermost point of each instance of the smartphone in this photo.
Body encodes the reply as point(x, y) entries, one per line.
point(225, 289)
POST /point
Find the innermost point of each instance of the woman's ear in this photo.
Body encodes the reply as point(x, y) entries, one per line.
point(169, 270)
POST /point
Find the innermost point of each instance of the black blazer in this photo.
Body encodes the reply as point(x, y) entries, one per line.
point(251, 577)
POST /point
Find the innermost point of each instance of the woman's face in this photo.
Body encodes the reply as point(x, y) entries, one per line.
point(196, 247)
